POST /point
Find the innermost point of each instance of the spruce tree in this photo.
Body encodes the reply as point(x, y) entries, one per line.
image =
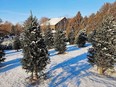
point(71, 37)
point(2, 54)
point(104, 45)
point(34, 49)
point(59, 41)
point(81, 38)
point(17, 43)
point(49, 39)
point(90, 56)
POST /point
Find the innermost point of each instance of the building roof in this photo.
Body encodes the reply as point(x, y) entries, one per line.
point(52, 21)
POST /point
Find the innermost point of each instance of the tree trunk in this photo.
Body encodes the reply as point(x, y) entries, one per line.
point(100, 70)
point(32, 75)
point(31, 78)
point(35, 73)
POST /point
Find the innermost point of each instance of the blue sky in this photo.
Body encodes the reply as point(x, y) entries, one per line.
point(19, 10)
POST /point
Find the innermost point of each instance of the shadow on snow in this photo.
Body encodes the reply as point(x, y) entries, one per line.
point(73, 67)
point(52, 53)
point(70, 48)
point(12, 51)
point(6, 66)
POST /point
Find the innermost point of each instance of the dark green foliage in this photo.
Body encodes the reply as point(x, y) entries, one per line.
point(2, 54)
point(71, 37)
point(59, 41)
point(49, 39)
point(90, 56)
point(81, 39)
point(104, 43)
point(17, 43)
point(34, 49)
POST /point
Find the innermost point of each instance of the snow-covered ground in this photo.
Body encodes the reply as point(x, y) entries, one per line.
point(66, 70)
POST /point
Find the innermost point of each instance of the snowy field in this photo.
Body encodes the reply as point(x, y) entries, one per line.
point(66, 70)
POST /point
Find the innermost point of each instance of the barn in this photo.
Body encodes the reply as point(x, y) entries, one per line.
point(55, 23)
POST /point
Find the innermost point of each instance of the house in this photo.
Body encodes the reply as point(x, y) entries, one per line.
point(55, 23)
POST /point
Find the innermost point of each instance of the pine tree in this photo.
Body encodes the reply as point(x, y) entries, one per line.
point(2, 54)
point(81, 38)
point(59, 41)
point(17, 43)
point(34, 49)
point(90, 56)
point(49, 39)
point(71, 37)
point(104, 45)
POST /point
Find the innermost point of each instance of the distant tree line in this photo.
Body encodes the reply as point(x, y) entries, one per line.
point(90, 23)
point(7, 28)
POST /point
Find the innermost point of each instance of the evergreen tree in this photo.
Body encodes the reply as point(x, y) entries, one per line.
point(81, 39)
point(71, 37)
point(104, 45)
point(1, 54)
point(34, 49)
point(90, 56)
point(59, 41)
point(17, 43)
point(49, 40)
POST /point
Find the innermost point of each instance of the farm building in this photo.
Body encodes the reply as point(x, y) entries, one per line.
point(55, 23)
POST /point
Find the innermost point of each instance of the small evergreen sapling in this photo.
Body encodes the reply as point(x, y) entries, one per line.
point(17, 43)
point(81, 39)
point(59, 41)
point(34, 49)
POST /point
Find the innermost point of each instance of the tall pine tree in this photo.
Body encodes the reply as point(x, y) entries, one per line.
point(104, 45)
point(59, 41)
point(49, 39)
point(34, 49)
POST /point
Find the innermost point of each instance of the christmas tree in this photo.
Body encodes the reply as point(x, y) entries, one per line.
point(17, 43)
point(59, 41)
point(49, 39)
point(81, 38)
point(90, 56)
point(71, 37)
point(1, 54)
point(104, 45)
point(34, 49)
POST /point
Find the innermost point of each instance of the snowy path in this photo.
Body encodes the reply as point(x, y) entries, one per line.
point(66, 70)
